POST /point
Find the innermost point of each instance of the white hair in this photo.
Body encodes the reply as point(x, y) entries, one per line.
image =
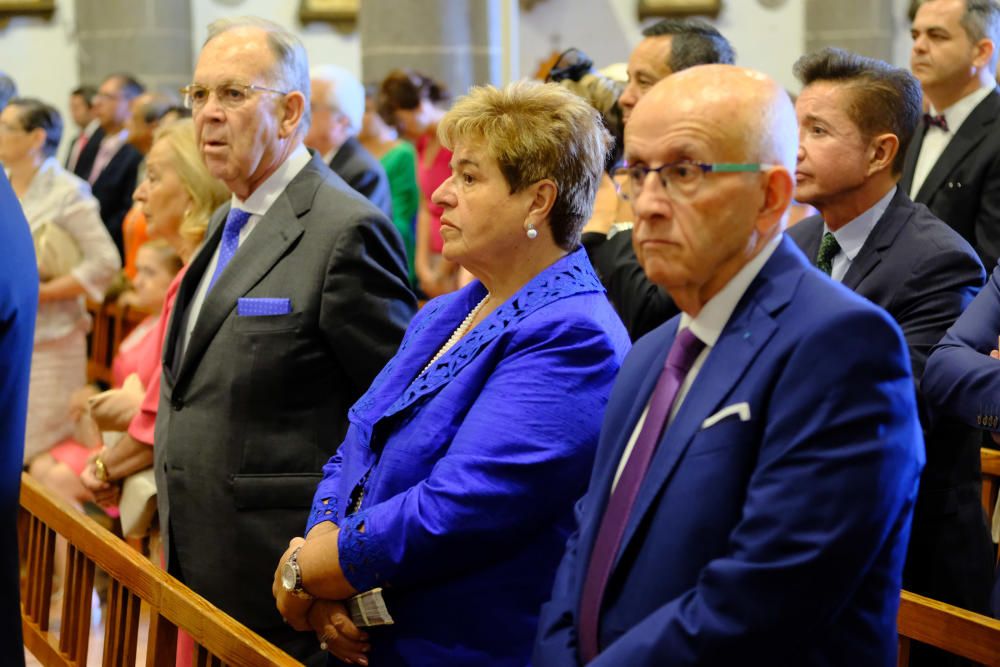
point(292, 64)
point(346, 94)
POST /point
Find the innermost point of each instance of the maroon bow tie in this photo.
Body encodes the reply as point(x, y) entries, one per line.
point(936, 121)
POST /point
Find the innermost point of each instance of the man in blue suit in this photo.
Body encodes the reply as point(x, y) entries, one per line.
point(18, 307)
point(759, 457)
point(856, 117)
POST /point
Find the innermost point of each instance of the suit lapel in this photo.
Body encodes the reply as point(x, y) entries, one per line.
point(912, 153)
point(807, 234)
point(880, 238)
point(749, 329)
point(975, 128)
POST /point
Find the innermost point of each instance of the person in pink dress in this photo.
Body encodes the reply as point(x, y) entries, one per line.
point(415, 103)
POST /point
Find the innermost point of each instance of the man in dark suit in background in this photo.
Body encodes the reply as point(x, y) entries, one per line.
point(107, 161)
point(753, 486)
point(295, 302)
point(338, 107)
point(953, 163)
point(856, 116)
point(18, 307)
point(667, 47)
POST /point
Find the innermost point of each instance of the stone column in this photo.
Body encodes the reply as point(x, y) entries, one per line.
point(862, 26)
point(150, 39)
point(458, 42)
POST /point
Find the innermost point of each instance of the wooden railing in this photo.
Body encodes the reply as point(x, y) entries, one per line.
point(134, 580)
point(956, 631)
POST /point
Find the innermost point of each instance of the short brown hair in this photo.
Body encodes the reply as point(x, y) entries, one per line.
point(884, 98)
point(536, 131)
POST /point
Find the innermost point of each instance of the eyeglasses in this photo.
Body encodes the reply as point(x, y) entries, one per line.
point(678, 178)
point(229, 95)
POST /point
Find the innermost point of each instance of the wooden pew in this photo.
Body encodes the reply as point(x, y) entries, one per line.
point(111, 323)
point(134, 580)
point(948, 628)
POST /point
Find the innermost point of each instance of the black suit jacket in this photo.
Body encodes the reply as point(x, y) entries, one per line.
point(258, 404)
point(642, 304)
point(85, 162)
point(364, 173)
point(963, 187)
point(114, 187)
point(924, 275)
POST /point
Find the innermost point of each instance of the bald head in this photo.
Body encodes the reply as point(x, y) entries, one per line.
point(723, 142)
point(747, 111)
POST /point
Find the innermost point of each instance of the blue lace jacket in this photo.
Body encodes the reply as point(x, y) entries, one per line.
point(470, 471)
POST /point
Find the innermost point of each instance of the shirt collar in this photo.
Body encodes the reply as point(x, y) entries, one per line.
point(956, 114)
point(715, 314)
point(261, 200)
point(852, 236)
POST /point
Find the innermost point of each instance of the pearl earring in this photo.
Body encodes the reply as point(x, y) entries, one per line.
point(532, 232)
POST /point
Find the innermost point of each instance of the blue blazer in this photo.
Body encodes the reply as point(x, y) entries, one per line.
point(773, 537)
point(470, 470)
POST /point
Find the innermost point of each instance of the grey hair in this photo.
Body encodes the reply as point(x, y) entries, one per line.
point(292, 70)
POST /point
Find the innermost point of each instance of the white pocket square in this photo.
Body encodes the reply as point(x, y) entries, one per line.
point(742, 410)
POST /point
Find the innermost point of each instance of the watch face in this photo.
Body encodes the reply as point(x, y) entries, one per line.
point(288, 576)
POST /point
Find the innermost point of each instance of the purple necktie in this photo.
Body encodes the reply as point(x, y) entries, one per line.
point(235, 222)
point(682, 354)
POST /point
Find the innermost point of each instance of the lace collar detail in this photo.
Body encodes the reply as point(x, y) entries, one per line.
point(571, 275)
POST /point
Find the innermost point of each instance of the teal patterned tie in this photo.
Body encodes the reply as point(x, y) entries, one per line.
point(828, 249)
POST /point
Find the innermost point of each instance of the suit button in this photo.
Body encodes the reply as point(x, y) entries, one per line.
point(177, 405)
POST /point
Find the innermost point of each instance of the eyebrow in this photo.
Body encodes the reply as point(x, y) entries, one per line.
point(464, 162)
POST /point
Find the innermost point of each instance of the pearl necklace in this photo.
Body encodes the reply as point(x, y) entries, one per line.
point(457, 334)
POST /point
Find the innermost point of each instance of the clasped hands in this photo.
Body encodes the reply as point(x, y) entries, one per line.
point(326, 613)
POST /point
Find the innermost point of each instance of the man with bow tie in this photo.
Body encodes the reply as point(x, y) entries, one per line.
point(953, 164)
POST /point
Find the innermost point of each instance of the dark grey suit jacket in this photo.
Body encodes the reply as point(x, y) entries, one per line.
point(364, 173)
point(963, 187)
point(924, 275)
point(258, 404)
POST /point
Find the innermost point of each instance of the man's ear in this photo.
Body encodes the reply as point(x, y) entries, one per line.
point(882, 151)
point(778, 192)
point(984, 53)
point(292, 109)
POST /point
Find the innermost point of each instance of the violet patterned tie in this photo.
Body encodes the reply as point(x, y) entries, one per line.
point(682, 354)
point(235, 222)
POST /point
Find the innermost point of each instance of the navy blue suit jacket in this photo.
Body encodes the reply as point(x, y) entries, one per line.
point(364, 173)
point(778, 539)
point(18, 307)
point(924, 274)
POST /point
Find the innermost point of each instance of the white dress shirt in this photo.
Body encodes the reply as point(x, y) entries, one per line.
point(707, 326)
point(936, 140)
point(257, 204)
point(59, 197)
point(852, 236)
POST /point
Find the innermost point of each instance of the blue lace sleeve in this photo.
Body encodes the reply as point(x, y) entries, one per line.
point(362, 556)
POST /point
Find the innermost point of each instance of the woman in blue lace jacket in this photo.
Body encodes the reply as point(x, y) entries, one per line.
point(454, 488)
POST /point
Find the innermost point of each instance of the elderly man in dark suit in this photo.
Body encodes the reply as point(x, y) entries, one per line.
point(953, 163)
point(292, 306)
point(757, 467)
point(18, 307)
point(338, 107)
point(856, 117)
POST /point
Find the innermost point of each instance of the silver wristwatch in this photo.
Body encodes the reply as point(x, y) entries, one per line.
point(291, 576)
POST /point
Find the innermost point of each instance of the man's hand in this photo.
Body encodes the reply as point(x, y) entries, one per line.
point(338, 633)
point(293, 609)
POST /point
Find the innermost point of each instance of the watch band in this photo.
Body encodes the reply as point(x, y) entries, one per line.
point(293, 564)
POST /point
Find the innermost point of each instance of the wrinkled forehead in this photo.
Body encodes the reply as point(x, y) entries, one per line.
point(665, 133)
point(237, 55)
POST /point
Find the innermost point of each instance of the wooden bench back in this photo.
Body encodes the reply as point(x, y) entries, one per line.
point(948, 628)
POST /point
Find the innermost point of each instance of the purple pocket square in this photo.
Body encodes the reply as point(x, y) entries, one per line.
point(248, 307)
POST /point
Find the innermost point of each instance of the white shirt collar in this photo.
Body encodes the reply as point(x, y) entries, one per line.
point(852, 236)
point(956, 114)
point(261, 200)
point(715, 314)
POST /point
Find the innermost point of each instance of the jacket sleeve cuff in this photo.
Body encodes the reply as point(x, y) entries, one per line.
point(363, 558)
